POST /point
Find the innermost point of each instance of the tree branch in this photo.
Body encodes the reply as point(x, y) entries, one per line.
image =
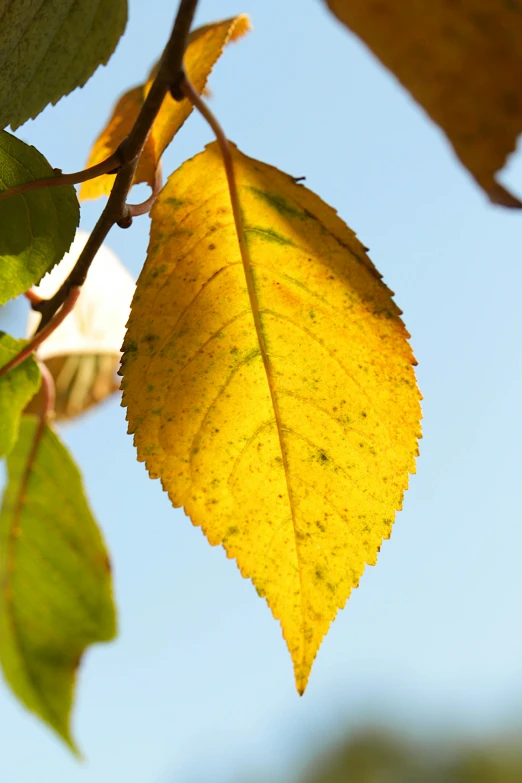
point(170, 73)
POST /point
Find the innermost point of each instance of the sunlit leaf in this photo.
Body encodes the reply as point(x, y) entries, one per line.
point(83, 354)
point(37, 226)
point(462, 62)
point(274, 396)
point(205, 47)
point(56, 594)
point(47, 49)
point(17, 387)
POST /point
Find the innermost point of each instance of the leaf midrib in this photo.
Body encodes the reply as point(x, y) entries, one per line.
point(256, 313)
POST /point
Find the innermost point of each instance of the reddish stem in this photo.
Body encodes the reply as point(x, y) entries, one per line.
point(33, 297)
point(39, 338)
point(146, 206)
point(109, 165)
point(48, 393)
point(188, 90)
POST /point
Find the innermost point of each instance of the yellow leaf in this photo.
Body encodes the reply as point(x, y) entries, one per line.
point(275, 395)
point(205, 47)
point(462, 62)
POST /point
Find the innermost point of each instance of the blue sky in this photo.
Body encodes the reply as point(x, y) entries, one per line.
point(199, 685)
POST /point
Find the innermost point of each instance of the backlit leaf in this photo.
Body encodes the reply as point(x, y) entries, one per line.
point(462, 62)
point(47, 49)
point(56, 594)
point(273, 396)
point(83, 354)
point(205, 47)
point(37, 226)
point(17, 387)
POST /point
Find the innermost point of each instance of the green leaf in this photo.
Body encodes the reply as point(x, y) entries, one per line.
point(16, 389)
point(37, 226)
point(49, 48)
point(56, 589)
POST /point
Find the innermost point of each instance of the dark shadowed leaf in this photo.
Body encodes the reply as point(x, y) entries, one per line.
point(47, 49)
point(462, 62)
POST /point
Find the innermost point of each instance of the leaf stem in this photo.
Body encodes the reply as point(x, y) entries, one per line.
point(146, 206)
point(187, 90)
point(32, 297)
point(46, 410)
point(59, 180)
point(49, 393)
point(117, 211)
point(39, 338)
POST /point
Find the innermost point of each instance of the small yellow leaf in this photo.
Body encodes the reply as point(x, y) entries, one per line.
point(462, 62)
point(273, 395)
point(205, 47)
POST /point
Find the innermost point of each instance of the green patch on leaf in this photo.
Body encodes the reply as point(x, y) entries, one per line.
point(49, 48)
point(280, 204)
point(17, 387)
point(55, 580)
point(269, 235)
point(37, 227)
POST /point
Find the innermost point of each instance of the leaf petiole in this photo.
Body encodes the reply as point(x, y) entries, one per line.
point(108, 166)
point(48, 329)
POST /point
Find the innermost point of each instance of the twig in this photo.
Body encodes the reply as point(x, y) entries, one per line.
point(46, 410)
point(39, 338)
point(106, 166)
point(33, 297)
point(49, 392)
point(188, 91)
point(146, 206)
point(170, 73)
point(116, 210)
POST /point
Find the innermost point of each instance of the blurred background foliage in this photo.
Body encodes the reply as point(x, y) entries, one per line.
point(379, 755)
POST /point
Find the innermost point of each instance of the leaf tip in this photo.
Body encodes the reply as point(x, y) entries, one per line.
point(242, 25)
point(67, 737)
point(498, 195)
point(301, 679)
point(302, 671)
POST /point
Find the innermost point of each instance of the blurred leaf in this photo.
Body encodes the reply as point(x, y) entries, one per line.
point(488, 765)
point(271, 390)
point(47, 49)
point(83, 354)
point(205, 47)
point(38, 226)
point(375, 757)
point(17, 387)
point(82, 380)
point(371, 757)
point(462, 62)
point(56, 596)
